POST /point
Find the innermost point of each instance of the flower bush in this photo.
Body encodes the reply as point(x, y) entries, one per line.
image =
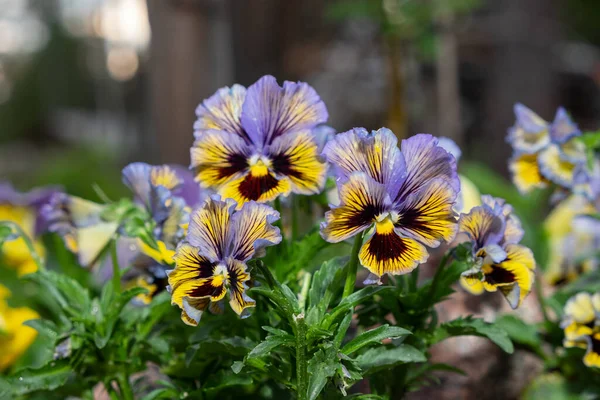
point(274, 217)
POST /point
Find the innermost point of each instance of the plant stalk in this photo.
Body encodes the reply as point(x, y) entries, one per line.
point(352, 267)
point(116, 278)
point(125, 386)
point(301, 361)
point(436, 277)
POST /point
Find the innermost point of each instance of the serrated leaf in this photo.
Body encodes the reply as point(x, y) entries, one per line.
point(385, 357)
point(45, 328)
point(473, 327)
point(72, 297)
point(270, 343)
point(342, 328)
point(106, 325)
point(320, 293)
point(224, 379)
point(49, 377)
point(374, 336)
point(321, 367)
point(301, 255)
point(163, 393)
point(277, 332)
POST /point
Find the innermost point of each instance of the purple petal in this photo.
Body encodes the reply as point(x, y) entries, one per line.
point(450, 146)
point(136, 176)
point(270, 111)
point(530, 132)
point(189, 190)
point(376, 154)
point(483, 226)
point(222, 111)
point(563, 128)
point(36, 199)
point(426, 160)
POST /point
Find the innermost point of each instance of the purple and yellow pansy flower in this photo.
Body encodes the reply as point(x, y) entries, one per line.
point(581, 326)
point(403, 198)
point(501, 263)
point(544, 152)
point(211, 261)
point(23, 210)
point(258, 143)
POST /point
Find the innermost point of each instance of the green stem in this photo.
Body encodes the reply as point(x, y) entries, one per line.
point(116, 278)
point(540, 297)
point(414, 279)
point(436, 278)
point(34, 254)
point(352, 267)
point(124, 385)
point(301, 362)
point(295, 227)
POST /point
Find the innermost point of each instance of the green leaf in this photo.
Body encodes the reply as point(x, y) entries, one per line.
point(321, 367)
point(270, 343)
point(163, 393)
point(374, 336)
point(591, 140)
point(111, 311)
point(385, 357)
point(45, 328)
point(320, 293)
point(66, 291)
point(551, 386)
point(342, 328)
point(353, 300)
point(6, 234)
point(473, 327)
point(301, 254)
point(417, 375)
point(49, 377)
point(224, 379)
point(519, 331)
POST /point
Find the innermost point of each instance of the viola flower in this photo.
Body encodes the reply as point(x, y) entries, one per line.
point(15, 337)
point(80, 224)
point(573, 240)
point(501, 263)
point(581, 327)
point(22, 209)
point(212, 259)
point(544, 152)
point(259, 143)
point(403, 199)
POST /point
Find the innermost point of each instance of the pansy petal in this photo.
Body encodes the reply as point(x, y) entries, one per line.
point(218, 157)
point(516, 270)
point(294, 155)
point(426, 161)
point(376, 154)
point(270, 111)
point(387, 253)
point(92, 240)
point(580, 308)
point(362, 199)
point(472, 283)
point(193, 308)
point(513, 231)
point(427, 215)
point(526, 173)
point(530, 132)
point(258, 185)
point(483, 226)
point(592, 356)
point(209, 227)
point(136, 176)
point(190, 264)
point(163, 175)
point(563, 128)
point(252, 230)
point(238, 299)
point(222, 112)
point(554, 168)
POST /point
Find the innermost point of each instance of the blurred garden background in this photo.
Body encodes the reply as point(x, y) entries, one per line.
point(87, 86)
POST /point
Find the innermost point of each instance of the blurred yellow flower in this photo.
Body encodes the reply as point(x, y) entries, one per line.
point(15, 337)
point(15, 253)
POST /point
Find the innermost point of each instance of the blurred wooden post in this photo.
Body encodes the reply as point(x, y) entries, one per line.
point(182, 72)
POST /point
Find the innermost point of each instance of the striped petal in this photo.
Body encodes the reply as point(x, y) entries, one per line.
point(375, 154)
point(514, 276)
point(361, 201)
point(483, 226)
point(252, 230)
point(530, 132)
point(209, 227)
point(563, 128)
point(513, 230)
point(295, 156)
point(238, 299)
point(270, 111)
point(555, 168)
point(222, 112)
point(387, 253)
point(426, 161)
point(259, 184)
point(218, 157)
point(427, 215)
point(526, 173)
